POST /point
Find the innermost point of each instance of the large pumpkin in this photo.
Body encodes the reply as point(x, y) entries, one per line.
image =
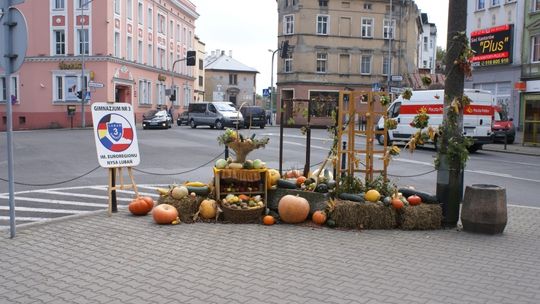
point(164, 214)
point(208, 209)
point(273, 177)
point(141, 206)
point(293, 209)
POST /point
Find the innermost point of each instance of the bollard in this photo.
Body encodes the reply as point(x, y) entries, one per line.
point(226, 152)
point(344, 159)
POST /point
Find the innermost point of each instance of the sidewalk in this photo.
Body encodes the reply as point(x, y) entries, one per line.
point(517, 147)
point(127, 259)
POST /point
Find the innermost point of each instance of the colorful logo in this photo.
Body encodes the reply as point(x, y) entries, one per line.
point(115, 132)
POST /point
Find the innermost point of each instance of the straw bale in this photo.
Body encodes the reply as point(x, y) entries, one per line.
point(187, 206)
point(355, 215)
point(421, 217)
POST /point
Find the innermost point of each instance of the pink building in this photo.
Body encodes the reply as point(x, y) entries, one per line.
point(124, 48)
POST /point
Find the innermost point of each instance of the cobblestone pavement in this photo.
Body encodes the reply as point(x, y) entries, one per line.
point(127, 259)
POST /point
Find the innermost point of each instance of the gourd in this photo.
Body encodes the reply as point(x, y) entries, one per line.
point(293, 209)
point(372, 195)
point(179, 192)
point(414, 200)
point(141, 205)
point(397, 203)
point(208, 209)
point(319, 217)
point(221, 163)
point(269, 220)
point(164, 214)
point(273, 177)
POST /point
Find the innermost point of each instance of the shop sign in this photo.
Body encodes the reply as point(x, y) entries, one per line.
point(70, 65)
point(161, 77)
point(492, 46)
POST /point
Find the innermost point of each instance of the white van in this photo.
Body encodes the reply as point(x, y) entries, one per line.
point(477, 117)
point(218, 114)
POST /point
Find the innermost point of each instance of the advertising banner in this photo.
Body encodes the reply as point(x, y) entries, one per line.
point(492, 46)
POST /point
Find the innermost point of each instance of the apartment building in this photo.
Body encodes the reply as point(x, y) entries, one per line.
point(119, 50)
point(427, 45)
point(199, 70)
point(495, 29)
point(530, 74)
point(227, 79)
point(344, 44)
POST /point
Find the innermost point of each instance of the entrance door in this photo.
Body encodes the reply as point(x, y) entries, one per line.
point(122, 94)
point(531, 123)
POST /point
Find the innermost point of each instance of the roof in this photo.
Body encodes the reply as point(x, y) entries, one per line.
point(226, 63)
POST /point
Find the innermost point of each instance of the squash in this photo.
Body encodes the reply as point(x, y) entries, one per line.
point(140, 206)
point(221, 163)
point(397, 203)
point(300, 180)
point(319, 217)
point(208, 209)
point(236, 166)
point(164, 214)
point(414, 200)
point(372, 195)
point(285, 184)
point(273, 177)
point(179, 192)
point(293, 209)
point(269, 220)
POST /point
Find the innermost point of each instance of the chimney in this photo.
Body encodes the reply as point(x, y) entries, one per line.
point(230, 53)
point(213, 53)
point(223, 52)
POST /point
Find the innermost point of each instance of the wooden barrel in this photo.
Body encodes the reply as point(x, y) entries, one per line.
point(484, 209)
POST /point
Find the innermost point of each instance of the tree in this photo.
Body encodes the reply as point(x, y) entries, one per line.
point(453, 153)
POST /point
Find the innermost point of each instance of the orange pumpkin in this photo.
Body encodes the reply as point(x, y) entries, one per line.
point(149, 201)
point(269, 220)
point(164, 214)
point(139, 206)
point(319, 217)
point(300, 180)
point(397, 203)
point(414, 200)
point(293, 209)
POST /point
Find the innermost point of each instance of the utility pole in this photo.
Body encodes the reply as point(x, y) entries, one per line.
point(450, 170)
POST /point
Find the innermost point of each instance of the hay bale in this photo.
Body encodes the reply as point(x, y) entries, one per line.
point(421, 217)
point(354, 215)
point(187, 206)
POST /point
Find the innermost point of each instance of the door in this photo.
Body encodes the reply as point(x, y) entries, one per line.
point(531, 122)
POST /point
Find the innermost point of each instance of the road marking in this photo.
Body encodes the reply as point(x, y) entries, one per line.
point(53, 201)
point(29, 209)
point(24, 218)
point(124, 199)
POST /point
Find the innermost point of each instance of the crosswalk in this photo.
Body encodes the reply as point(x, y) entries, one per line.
point(46, 204)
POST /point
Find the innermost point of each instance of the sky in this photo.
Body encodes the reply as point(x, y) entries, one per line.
point(248, 28)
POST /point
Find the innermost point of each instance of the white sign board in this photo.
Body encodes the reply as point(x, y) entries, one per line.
point(115, 135)
point(94, 84)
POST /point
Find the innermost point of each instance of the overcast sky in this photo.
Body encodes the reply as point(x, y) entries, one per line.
point(248, 28)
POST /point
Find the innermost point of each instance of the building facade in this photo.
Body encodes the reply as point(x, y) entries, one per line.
point(494, 28)
point(339, 45)
point(227, 79)
point(120, 51)
point(427, 45)
point(530, 74)
point(199, 70)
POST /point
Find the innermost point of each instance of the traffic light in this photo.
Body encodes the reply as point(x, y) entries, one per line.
point(79, 94)
point(284, 49)
point(172, 97)
point(191, 58)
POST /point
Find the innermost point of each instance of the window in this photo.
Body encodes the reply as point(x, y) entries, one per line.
point(385, 65)
point(161, 58)
point(201, 64)
point(59, 87)
point(171, 60)
point(116, 44)
point(535, 52)
point(389, 28)
point(139, 51)
point(535, 5)
point(82, 38)
point(14, 89)
point(431, 43)
point(201, 81)
point(286, 3)
point(480, 4)
point(129, 48)
point(79, 4)
point(145, 89)
point(345, 4)
point(322, 59)
point(323, 3)
point(288, 24)
point(59, 42)
point(367, 6)
point(150, 55)
point(117, 7)
point(365, 67)
point(322, 25)
point(367, 27)
point(425, 44)
point(58, 4)
point(287, 67)
point(160, 93)
point(66, 85)
point(150, 20)
point(233, 79)
point(177, 33)
point(129, 6)
point(161, 24)
point(326, 102)
point(171, 26)
point(140, 16)
point(495, 2)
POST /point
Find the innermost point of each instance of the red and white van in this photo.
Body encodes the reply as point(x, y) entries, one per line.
point(477, 117)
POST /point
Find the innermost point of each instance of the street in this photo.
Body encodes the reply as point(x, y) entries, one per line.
point(57, 172)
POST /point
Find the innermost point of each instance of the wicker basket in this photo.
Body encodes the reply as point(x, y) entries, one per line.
point(242, 216)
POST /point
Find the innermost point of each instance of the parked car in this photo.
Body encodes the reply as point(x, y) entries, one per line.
point(253, 116)
point(503, 126)
point(157, 119)
point(217, 114)
point(183, 118)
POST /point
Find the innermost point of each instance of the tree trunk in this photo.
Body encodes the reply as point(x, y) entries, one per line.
point(450, 171)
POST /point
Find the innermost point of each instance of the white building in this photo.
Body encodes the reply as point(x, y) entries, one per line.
point(427, 44)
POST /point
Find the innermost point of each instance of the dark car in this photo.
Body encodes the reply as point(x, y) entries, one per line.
point(503, 127)
point(253, 116)
point(182, 119)
point(157, 119)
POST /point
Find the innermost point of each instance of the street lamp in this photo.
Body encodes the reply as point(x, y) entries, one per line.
point(83, 51)
point(272, 93)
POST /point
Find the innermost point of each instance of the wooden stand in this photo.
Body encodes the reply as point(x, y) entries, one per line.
point(113, 187)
